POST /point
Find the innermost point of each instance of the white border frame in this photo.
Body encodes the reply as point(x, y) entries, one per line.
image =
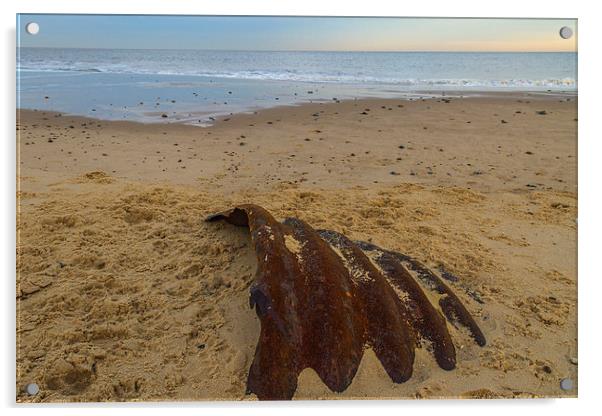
point(590, 141)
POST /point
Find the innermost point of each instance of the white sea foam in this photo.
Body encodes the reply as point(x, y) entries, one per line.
point(412, 70)
point(197, 86)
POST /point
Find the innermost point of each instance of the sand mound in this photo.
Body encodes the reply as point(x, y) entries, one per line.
point(95, 177)
point(124, 293)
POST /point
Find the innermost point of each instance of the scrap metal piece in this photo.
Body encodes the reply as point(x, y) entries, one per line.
point(451, 305)
point(322, 300)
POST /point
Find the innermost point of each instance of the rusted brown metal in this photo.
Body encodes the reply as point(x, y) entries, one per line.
point(322, 299)
point(450, 304)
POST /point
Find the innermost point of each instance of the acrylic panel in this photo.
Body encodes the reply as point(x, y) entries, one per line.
point(277, 208)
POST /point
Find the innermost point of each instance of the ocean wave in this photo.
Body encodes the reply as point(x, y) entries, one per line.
point(461, 71)
point(324, 78)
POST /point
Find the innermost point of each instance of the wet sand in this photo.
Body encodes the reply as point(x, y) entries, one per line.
point(124, 293)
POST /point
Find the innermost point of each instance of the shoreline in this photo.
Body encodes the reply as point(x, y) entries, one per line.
point(207, 118)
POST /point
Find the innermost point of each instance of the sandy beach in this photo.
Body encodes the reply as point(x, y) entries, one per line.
point(124, 293)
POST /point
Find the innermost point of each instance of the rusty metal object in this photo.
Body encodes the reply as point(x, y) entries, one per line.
point(322, 299)
point(451, 305)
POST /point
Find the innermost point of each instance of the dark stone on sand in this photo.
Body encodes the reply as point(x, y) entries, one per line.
point(504, 122)
point(401, 146)
point(477, 297)
point(364, 113)
point(394, 173)
point(164, 115)
point(542, 112)
point(528, 152)
point(242, 143)
point(448, 276)
point(201, 346)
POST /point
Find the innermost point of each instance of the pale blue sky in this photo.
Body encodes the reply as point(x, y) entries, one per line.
point(295, 33)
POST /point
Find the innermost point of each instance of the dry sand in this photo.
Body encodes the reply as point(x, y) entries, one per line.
point(124, 293)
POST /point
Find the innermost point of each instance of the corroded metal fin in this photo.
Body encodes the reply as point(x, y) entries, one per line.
point(275, 296)
point(389, 332)
point(426, 318)
point(321, 300)
point(333, 329)
point(450, 304)
point(310, 316)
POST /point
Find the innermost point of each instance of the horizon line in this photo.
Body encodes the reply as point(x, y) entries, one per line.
point(302, 50)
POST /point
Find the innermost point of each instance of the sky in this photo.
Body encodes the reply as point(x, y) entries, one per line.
point(296, 33)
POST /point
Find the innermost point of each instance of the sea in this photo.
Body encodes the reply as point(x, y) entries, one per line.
point(197, 86)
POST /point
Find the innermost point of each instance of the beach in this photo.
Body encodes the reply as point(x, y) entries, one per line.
point(124, 293)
